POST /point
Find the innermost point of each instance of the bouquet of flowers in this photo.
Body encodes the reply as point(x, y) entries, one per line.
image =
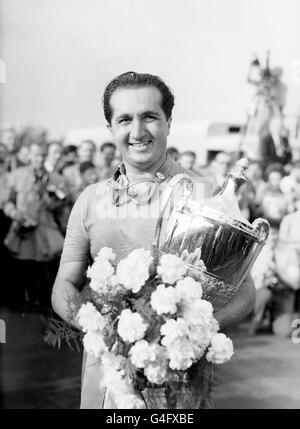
point(147, 322)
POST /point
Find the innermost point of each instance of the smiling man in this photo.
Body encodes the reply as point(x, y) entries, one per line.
point(138, 110)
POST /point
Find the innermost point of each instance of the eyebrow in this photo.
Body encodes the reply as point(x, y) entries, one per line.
point(146, 113)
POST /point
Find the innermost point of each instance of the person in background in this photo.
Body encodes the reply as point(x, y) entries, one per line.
point(254, 175)
point(173, 152)
point(275, 146)
point(188, 160)
point(34, 239)
point(20, 158)
point(219, 170)
point(274, 204)
point(53, 156)
point(265, 278)
point(89, 175)
point(86, 152)
point(287, 257)
point(291, 182)
point(68, 157)
point(106, 164)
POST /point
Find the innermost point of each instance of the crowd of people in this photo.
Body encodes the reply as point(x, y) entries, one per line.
point(41, 179)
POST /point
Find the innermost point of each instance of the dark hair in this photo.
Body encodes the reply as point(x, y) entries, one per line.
point(84, 166)
point(138, 80)
point(107, 144)
point(172, 150)
point(71, 148)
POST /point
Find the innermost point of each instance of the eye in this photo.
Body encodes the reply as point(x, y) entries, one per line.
point(150, 118)
point(123, 120)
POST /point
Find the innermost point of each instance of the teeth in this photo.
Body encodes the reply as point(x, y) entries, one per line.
point(139, 144)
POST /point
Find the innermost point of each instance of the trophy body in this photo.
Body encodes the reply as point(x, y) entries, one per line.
point(215, 233)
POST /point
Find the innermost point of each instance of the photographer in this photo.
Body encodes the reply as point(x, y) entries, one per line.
point(35, 200)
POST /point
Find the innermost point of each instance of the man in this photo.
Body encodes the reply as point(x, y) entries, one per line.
point(53, 156)
point(86, 152)
point(220, 167)
point(275, 145)
point(138, 110)
point(34, 240)
point(106, 164)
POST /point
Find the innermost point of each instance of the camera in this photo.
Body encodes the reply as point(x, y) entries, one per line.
point(55, 192)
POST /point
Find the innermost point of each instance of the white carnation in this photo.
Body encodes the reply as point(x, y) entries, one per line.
point(164, 300)
point(156, 374)
point(131, 326)
point(101, 271)
point(94, 344)
point(198, 312)
point(142, 352)
point(221, 349)
point(171, 268)
point(133, 271)
point(189, 289)
point(90, 319)
point(173, 329)
point(111, 286)
point(181, 354)
point(106, 253)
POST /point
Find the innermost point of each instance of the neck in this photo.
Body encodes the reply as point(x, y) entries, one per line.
point(134, 173)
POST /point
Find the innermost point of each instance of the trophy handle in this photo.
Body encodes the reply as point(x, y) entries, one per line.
point(263, 227)
point(187, 192)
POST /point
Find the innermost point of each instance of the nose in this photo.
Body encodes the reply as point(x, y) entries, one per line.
point(137, 131)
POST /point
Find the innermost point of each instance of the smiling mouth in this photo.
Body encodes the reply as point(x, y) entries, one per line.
point(140, 144)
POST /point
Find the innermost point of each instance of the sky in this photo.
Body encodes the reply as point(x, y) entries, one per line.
point(60, 54)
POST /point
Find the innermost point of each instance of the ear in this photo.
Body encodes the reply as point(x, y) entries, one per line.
point(169, 124)
point(108, 126)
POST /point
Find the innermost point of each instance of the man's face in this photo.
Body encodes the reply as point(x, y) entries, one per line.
point(8, 138)
point(23, 155)
point(90, 176)
point(37, 156)
point(54, 153)
point(187, 161)
point(139, 126)
point(222, 164)
point(86, 152)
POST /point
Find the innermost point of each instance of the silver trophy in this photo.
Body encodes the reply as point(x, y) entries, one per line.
point(213, 231)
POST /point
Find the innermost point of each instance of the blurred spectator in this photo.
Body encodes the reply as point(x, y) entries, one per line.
point(274, 204)
point(89, 175)
point(8, 138)
point(19, 159)
point(257, 185)
point(106, 164)
point(287, 256)
point(173, 152)
point(68, 158)
point(34, 238)
point(219, 169)
point(188, 160)
point(86, 152)
point(275, 145)
point(264, 276)
point(3, 153)
point(289, 183)
point(53, 156)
